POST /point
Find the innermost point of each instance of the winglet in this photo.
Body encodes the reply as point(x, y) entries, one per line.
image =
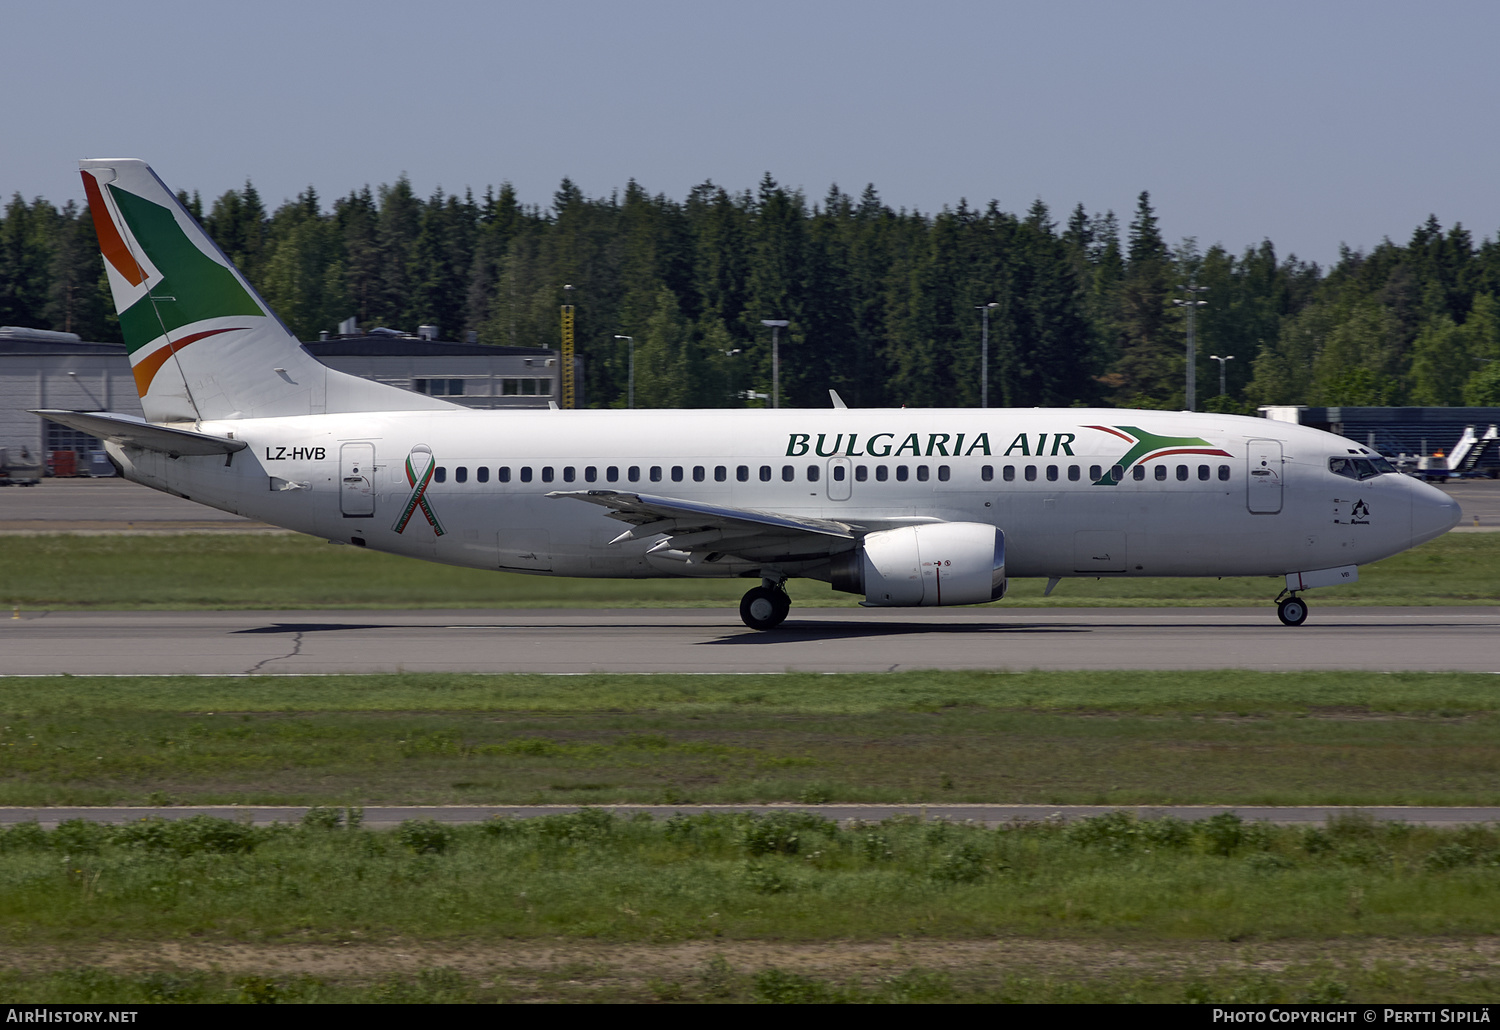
point(838, 402)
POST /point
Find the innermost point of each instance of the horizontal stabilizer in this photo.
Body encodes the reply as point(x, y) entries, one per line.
point(132, 432)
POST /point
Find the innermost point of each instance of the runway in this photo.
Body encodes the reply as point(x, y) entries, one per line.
point(380, 817)
point(715, 641)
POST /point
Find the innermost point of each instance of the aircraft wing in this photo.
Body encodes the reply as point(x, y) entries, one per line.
point(699, 528)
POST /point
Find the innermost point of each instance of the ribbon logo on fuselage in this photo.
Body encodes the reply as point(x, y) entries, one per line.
point(420, 465)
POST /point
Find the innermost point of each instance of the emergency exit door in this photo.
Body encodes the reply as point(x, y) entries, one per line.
point(357, 480)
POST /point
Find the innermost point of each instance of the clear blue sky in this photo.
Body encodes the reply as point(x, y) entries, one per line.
point(1311, 123)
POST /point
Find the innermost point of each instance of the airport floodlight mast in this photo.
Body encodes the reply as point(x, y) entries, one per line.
point(984, 353)
point(1215, 357)
point(776, 324)
point(632, 365)
point(1192, 303)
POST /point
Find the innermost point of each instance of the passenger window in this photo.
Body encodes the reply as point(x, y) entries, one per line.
point(656, 473)
point(1095, 472)
point(838, 474)
point(633, 474)
point(1031, 473)
point(1161, 473)
point(676, 473)
point(1203, 473)
point(1224, 473)
point(1117, 473)
point(922, 473)
point(882, 473)
point(699, 473)
point(861, 473)
point(943, 473)
point(742, 473)
point(721, 474)
point(902, 472)
point(1009, 474)
point(568, 474)
point(525, 473)
point(1182, 473)
point(1138, 473)
point(1051, 473)
point(612, 474)
point(1074, 473)
point(765, 473)
point(503, 473)
point(987, 473)
point(482, 474)
point(788, 473)
point(546, 473)
point(590, 474)
point(812, 473)
point(440, 474)
point(461, 474)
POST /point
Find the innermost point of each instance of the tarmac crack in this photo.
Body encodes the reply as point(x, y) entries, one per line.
point(294, 652)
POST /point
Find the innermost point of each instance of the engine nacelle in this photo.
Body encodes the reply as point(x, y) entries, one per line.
point(944, 563)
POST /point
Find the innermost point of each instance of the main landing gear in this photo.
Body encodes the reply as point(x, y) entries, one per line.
point(1292, 611)
point(765, 606)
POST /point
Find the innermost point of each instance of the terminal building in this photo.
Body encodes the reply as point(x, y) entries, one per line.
point(44, 369)
point(1404, 435)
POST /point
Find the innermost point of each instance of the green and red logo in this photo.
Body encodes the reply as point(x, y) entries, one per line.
point(1146, 447)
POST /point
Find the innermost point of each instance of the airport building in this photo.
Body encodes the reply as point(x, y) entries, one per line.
point(44, 369)
point(1404, 435)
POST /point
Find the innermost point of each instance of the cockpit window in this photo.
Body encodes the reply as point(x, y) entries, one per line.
point(1359, 468)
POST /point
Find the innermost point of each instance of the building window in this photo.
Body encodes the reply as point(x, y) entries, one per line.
point(439, 387)
point(528, 386)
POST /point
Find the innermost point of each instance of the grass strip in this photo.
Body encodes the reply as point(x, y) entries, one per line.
point(1044, 737)
point(231, 571)
point(787, 876)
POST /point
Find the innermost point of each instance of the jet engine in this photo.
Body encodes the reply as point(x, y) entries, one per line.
point(943, 563)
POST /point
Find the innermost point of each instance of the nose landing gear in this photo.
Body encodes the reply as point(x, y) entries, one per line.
point(765, 606)
point(1292, 611)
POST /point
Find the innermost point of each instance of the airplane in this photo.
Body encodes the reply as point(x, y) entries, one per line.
point(906, 507)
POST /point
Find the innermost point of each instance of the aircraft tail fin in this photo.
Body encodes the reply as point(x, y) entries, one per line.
point(202, 342)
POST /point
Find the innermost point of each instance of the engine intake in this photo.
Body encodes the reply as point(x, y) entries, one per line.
point(920, 566)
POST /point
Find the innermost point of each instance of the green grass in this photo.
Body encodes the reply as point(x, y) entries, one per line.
point(1039, 737)
point(789, 876)
point(289, 572)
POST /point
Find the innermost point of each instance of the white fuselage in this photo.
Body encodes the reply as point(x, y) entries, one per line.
point(1266, 504)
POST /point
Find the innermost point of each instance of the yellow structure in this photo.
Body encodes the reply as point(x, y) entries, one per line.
point(567, 356)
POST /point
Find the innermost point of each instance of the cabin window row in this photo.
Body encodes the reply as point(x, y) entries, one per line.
point(1096, 472)
point(699, 473)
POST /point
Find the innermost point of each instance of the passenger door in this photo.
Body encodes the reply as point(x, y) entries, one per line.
point(840, 479)
point(357, 480)
point(1263, 480)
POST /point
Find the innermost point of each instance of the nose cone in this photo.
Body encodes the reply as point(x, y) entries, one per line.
point(1433, 513)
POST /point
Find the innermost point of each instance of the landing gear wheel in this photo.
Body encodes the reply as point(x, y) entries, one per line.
point(764, 607)
point(1292, 611)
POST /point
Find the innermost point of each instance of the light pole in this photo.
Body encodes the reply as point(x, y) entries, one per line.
point(776, 325)
point(632, 365)
point(984, 354)
point(1192, 303)
point(1227, 357)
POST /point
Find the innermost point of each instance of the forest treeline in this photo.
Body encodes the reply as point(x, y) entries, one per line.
point(884, 305)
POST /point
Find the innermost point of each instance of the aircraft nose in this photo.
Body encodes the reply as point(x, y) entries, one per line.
point(1433, 513)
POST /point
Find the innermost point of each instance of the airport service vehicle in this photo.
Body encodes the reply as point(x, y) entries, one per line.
point(906, 507)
